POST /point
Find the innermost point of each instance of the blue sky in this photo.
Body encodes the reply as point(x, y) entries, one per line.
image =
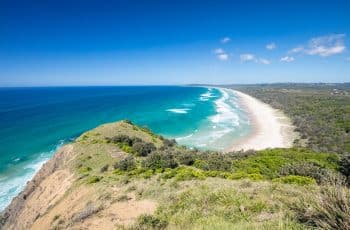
point(130, 42)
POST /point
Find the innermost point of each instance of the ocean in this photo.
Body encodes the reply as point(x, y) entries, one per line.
point(34, 122)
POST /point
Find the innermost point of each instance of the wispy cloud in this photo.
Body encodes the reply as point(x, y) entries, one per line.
point(252, 58)
point(219, 51)
point(297, 49)
point(264, 61)
point(221, 54)
point(271, 46)
point(247, 57)
point(223, 57)
point(225, 40)
point(323, 46)
point(287, 59)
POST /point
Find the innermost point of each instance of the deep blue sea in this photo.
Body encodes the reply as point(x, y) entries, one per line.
point(34, 122)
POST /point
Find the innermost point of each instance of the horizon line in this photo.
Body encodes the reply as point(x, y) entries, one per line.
point(160, 85)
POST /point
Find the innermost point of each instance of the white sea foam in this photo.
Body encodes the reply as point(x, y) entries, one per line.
point(177, 110)
point(184, 137)
point(221, 128)
point(225, 113)
point(207, 95)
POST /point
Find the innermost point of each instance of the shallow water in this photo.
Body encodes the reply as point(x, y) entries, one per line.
point(34, 122)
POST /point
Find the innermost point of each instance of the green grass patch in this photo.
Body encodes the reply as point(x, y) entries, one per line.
point(268, 162)
point(293, 179)
point(93, 179)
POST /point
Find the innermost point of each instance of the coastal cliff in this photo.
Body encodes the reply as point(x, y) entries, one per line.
point(121, 176)
point(58, 196)
point(44, 190)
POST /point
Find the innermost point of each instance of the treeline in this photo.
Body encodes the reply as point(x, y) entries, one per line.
point(320, 112)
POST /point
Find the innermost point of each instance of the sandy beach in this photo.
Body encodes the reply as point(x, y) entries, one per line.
point(271, 128)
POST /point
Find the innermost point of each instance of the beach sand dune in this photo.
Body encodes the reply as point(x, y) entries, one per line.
point(271, 128)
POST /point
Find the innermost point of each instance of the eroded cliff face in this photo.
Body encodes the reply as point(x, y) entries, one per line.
point(63, 194)
point(43, 191)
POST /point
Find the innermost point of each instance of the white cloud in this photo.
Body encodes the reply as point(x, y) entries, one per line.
point(264, 61)
point(225, 40)
point(287, 59)
point(253, 58)
point(219, 51)
point(271, 46)
point(247, 57)
point(297, 49)
point(221, 54)
point(323, 46)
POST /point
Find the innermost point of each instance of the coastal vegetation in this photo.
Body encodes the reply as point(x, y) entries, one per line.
point(320, 112)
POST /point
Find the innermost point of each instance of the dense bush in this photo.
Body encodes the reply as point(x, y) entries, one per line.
point(344, 167)
point(159, 160)
point(142, 148)
point(126, 164)
point(321, 175)
point(169, 143)
point(122, 139)
point(149, 222)
point(215, 161)
point(133, 145)
point(186, 158)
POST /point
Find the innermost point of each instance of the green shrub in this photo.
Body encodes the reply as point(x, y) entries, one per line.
point(157, 160)
point(147, 174)
point(189, 174)
point(84, 169)
point(293, 179)
point(104, 168)
point(216, 161)
point(93, 179)
point(169, 143)
point(186, 158)
point(128, 122)
point(255, 176)
point(321, 175)
point(126, 148)
point(169, 173)
point(126, 164)
point(344, 167)
point(150, 222)
point(143, 149)
point(200, 164)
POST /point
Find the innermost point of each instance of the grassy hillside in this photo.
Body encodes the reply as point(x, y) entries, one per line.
point(123, 176)
point(243, 190)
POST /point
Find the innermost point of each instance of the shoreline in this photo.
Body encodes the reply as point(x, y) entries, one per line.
point(271, 128)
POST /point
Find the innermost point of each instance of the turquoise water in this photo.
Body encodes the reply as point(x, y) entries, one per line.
point(34, 122)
